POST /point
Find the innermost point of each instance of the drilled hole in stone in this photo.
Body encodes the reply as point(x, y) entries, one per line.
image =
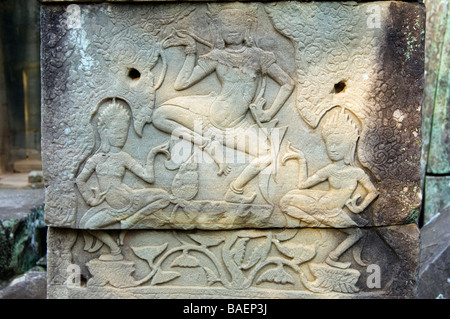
point(339, 87)
point(134, 74)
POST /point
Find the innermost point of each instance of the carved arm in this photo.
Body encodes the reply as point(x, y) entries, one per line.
point(190, 73)
point(148, 174)
point(372, 194)
point(91, 196)
point(286, 87)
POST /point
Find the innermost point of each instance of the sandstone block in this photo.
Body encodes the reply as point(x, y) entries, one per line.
point(238, 149)
point(289, 263)
point(152, 116)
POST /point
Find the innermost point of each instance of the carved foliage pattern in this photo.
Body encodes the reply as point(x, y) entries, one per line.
point(239, 260)
point(329, 48)
point(55, 80)
point(389, 66)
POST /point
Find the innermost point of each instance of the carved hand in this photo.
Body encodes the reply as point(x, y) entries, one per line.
point(179, 38)
point(163, 148)
point(353, 206)
point(97, 199)
point(291, 153)
point(258, 112)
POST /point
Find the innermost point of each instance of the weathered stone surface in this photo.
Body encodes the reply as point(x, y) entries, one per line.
point(434, 267)
point(259, 119)
point(31, 285)
point(290, 263)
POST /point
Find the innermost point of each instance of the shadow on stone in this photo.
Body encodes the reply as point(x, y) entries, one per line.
point(434, 270)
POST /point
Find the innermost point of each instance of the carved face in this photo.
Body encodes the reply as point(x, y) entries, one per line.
point(117, 132)
point(233, 26)
point(338, 147)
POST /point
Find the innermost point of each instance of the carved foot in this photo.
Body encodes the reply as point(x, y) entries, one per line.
point(334, 263)
point(113, 256)
point(213, 148)
point(98, 244)
point(110, 257)
point(237, 196)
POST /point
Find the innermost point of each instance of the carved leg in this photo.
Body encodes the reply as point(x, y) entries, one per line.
point(178, 121)
point(304, 218)
point(354, 234)
point(115, 251)
point(150, 201)
point(235, 192)
point(98, 220)
point(182, 123)
point(299, 204)
point(252, 170)
point(256, 145)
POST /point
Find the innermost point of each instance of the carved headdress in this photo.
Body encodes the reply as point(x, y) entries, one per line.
point(340, 123)
point(242, 14)
point(113, 110)
point(249, 10)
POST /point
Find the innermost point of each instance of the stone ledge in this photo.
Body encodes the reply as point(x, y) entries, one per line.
point(31, 285)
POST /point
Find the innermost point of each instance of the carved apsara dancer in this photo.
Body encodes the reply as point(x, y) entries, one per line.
point(319, 208)
point(114, 201)
point(239, 66)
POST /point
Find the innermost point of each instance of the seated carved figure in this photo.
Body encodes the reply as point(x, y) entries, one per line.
point(325, 208)
point(114, 201)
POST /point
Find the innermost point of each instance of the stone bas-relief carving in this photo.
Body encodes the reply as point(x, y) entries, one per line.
point(225, 150)
point(235, 263)
point(197, 85)
point(187, 115)
point(238, 64)
point(316, 208)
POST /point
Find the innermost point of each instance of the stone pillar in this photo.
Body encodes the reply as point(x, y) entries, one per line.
point(244, 150)
point(21, 97)
point(4, 125)
point(436, 109)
